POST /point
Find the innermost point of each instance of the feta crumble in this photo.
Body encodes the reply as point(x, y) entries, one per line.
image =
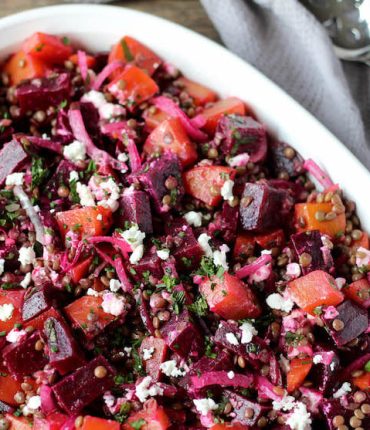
point(148, 353)
point(14, 179)
point(231, 374)
point(300, 419)
point(343, 390)
point(232, 339)
point(15, 335)
point(107, 194)
point(114, 285)
point(99, 217)
point(85, 195)
point(287, 403)
point(26, 255)
point(92, 292)
point(2, 262)
point(34, 403)
point(248, 331)
point(134, 237)
point(6, 311)
point(169, 368)
point(194, 218)
point(26, 280)
point(163, 254)
point(75, 151)
point(73, 176)
point(219, 257)
point(203, 241)
point(239, 160)
point(204, 406)
point(146, 389)
point(122, 157)
point(137, 254)
point(277, 301)
point(317, 359)
point(227, 190)
point(363, 257)
point(293, 270)
point(113, 304)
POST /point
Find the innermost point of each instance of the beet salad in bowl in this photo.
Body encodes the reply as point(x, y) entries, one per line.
point(165, 262)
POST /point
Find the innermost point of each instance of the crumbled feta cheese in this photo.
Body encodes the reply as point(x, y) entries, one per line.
point(227, 190)
point(239, 160)
point(163, 254)
point(85, 195)
point(287, 403)
point(232, 339)
point(91, 292)
point(363, 257)
point(343, 390)
point(6, 311)
point(317, 359)
point(148, 353)
point(127, 350)
point(2, 262)
point(122, 157)
point(330, 313)
point(75, 151)
point(332, 365)
point(194, 218)
point(231, 374)
point(169, 368)
point(219, 257)
point(109, 399)
point(293, 270)
point(108, 193)
point(73, 176)
point(133, 236)
point(14, 179)
point(340, 283)
point(300, 418)
point(26, 255)
point(248, 331)
point(114, 285)
point(110, 110)
point(113, 304)
point(15, 335)
point(205, 405)
point(203, 241)
point(277, 301)
point(137, 254)
point(34, 403)
point(146, 389)
point(95, 97)
point(26, 280)
point(99, 217)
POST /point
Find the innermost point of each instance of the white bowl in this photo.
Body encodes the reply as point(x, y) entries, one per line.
point(98, 27)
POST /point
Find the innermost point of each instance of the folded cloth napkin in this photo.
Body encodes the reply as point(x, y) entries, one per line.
point(285, 42)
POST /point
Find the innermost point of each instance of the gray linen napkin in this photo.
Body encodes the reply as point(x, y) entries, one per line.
point(286, 42)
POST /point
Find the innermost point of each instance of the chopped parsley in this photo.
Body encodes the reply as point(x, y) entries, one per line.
point(38, 172)
point(199, 307)
point(178, 298)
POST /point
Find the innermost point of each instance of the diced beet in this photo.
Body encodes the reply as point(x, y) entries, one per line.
point(40, 298)
point(295, 189)
point(281, 163)
point(135, 208)
point(310, 242)
point(240, 404)
point(64, 353)
point(90, 116)
point(225, 223)
point(263, 207)
point(153, 176)
point(22, 358)
point(159, 355)
point(41, 93)
point(239, 134)
point(324, 374)
point(150, 262)
point(12, 158)
point(334, 407)
point(182, 336)
point(354, 318)
point(187, 250)
point(5, 408)
point(82, 387)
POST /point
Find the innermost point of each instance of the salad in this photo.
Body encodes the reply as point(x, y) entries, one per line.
point(165, 262)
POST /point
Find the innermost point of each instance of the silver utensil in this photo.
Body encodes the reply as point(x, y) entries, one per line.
point(348, 24)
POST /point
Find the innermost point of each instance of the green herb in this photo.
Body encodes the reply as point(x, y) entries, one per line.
point(207, 267)
point(138, 363)
point(168, 282)
point(178, 298)
point(73, 194)
point(91, 167)
point(123, 413)
point(318, 310)
point(146, 276)
point(126, 51)
point(209, 348)
point(2, 333)
point(293, 338)
point(138, 424)
point(38, 172)
point(187, 262)
point(199, 307)
point(367, 366)
point(65, 40)
point(252, 348)
point(62, 104)
point(51, 335)
point(133, 271)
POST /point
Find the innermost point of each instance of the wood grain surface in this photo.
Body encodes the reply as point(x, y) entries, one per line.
point(188, 13)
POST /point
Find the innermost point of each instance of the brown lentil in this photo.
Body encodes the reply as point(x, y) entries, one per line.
point(79, 421)
point(212, 153)
point(249, 413)
point(166, 200)
point(262, 422)
point(355, 422)
point(19, 397)
point(241, 362)
point(338, 420)
point(359, 396)
point(365, 408)
point(343, 427)
point(4, 424)
point(289, 152)
point(359, 414)
point(305, 259)
point(338, 325)
point(100, 372)
point(357, 373)
point(63, 191)
point(171, 183)
point(157, 333)
point(320, 216)
point(356, 234)
point(330, 216)
point(39, 345)
point(156, 322)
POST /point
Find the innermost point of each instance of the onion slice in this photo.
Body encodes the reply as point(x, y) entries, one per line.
point(82, 63)
point(31, 213)
point(250, 269)
point(321, 176)
point(103, 75)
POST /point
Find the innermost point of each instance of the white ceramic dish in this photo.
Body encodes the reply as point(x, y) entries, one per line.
point(98, 27)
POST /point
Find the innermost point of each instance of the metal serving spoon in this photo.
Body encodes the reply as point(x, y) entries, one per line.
point(348, 24)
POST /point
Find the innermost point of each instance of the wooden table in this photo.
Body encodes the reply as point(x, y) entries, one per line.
point(186, 12)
